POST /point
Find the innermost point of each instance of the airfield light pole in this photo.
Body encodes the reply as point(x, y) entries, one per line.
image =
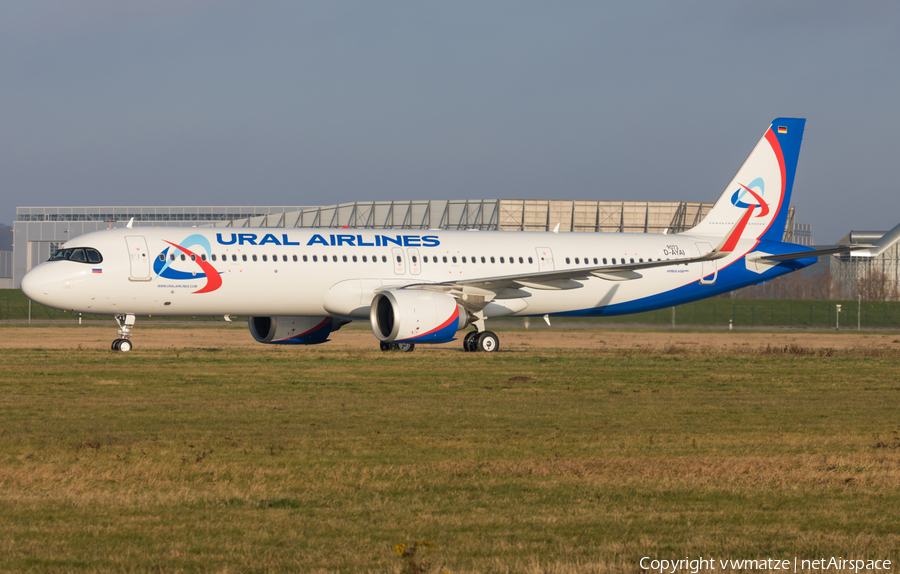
point(858, 310)
point(837, 318)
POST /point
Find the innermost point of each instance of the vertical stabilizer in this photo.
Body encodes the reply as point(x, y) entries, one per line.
point(759, 195)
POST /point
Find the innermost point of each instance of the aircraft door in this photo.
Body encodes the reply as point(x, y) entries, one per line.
point(545, 259)
point(710, 268)
point(415, 262)
point(139, 258)
point(398, 261)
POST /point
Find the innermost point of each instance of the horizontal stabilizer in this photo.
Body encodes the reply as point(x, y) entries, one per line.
point(813, 253)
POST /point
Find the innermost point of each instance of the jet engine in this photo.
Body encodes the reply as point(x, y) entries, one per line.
point(292, 330)
point(415, 316)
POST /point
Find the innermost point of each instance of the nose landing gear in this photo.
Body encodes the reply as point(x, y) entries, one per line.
point(126, 322)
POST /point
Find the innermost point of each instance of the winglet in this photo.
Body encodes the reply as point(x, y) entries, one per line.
point(886, 241)
point(130, 221)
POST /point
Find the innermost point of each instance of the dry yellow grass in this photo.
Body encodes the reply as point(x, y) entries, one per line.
point(195, 457)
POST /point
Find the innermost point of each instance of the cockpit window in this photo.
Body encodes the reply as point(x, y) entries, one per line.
point(79, 254)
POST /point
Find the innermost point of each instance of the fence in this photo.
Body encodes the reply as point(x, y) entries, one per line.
point(772, 313)
point(706, 313)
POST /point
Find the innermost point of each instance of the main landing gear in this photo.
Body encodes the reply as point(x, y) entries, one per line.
point(402, 347)
point(126, 322)
point(485, 341)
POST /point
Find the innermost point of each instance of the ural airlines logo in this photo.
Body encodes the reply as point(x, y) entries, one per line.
point(361, 240)
point(742, 193)
point(163, 264)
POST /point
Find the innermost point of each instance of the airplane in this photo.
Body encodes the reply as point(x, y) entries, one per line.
point(297, 286)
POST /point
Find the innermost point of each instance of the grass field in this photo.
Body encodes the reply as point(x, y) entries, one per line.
point(327, 460)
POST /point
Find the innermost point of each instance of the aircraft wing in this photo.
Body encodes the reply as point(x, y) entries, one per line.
point(490, 287)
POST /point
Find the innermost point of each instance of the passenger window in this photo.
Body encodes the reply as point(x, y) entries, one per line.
point(445, 258)
point(424, 259)
point(213, 256)
point(641, 260)
point(530, 260)
point(632, 259)
point(364, 259)
point(345, 258)
point(182, 257)
point(521, 260)
point(595, 260)
point(284, 257)
point(305, 259)
point(576, 261)
point(492, 259)
point(243, 257)
point(383, 258)
point(614, 260)
point(315, 258)
point(482, 260)
point(264, 258)
point(162, 257)
point(454, 258)
point(502, 261)
point(254, 257)
point(354, 258)
point(415, 259)
point(473, 260)
point(464, 259)
point(234, 257)
point(203, 256)
point(295, 258)
point(567, 260)
point(334, 258)
point(193, 256)
point(398, 259)
point(604, 260)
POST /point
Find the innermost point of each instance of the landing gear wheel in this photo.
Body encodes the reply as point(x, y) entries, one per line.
point(123, 345)
point(469, 344)
point(405, 347)
point(488, 342)
point(386, 346)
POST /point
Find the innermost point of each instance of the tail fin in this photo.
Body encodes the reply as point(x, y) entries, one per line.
point(760, 193)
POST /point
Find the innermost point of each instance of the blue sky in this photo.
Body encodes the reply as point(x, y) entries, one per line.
point(194, 102)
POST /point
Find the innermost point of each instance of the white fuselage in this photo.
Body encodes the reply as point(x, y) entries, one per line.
point(316, 272)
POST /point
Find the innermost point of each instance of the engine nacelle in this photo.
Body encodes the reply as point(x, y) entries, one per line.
point(291, 330)
point(414, 316)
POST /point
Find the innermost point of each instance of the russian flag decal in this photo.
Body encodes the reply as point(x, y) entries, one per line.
point(96, 270)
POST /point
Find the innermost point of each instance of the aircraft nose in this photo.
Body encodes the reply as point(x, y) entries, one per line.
point(38, 284)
